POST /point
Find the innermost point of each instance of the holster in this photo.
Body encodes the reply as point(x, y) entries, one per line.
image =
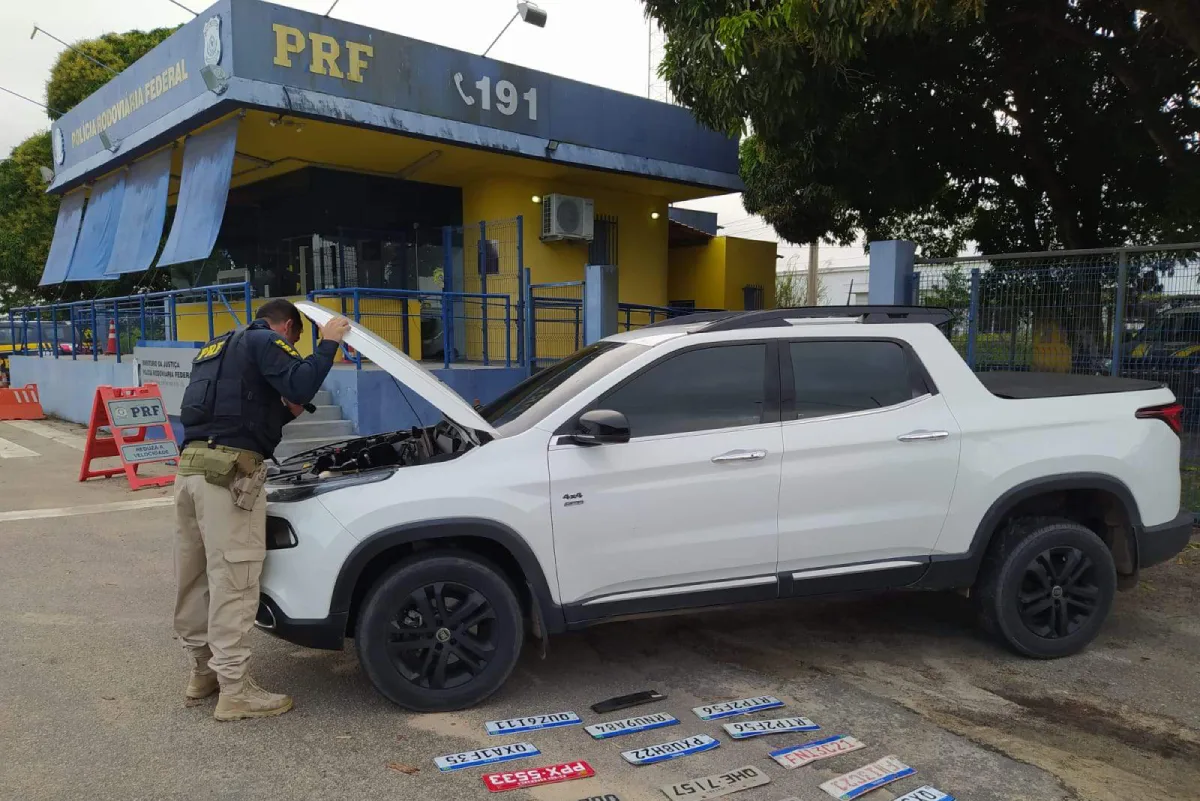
point(248, 485)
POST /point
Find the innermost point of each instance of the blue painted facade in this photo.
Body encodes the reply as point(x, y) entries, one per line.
point(375, 404)
point(259, 55)
point(67, 386)
point(369, 398)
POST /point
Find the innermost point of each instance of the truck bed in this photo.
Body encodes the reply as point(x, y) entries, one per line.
point(1025, 386)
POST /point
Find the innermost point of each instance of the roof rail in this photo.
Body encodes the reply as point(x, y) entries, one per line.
point(693, 319)
point(769, 318)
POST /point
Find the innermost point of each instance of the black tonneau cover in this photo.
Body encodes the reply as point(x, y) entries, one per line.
point(1024, 386)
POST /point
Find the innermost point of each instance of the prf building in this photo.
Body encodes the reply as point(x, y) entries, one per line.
point(302, 153)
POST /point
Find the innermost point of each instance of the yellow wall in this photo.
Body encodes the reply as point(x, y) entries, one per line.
point(713, 274)
point(698, 274)
point(381, 315)
point(748, 261)
point(641, 241)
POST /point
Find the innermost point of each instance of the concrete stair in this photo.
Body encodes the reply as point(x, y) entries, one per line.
point(314, 429)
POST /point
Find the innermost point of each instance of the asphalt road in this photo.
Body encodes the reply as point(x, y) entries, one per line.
point(91, 685)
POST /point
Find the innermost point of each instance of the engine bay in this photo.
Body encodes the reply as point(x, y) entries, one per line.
point(395, 449)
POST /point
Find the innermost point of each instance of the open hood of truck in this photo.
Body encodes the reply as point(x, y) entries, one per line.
point(404, 369)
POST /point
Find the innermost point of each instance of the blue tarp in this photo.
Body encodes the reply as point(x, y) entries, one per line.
point(143, 209)
point(203, 190)
point(95, 244)
point(66, 232)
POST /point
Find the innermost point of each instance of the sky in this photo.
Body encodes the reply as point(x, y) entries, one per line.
point(602, 42)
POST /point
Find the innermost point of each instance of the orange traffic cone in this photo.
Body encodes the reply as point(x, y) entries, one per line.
point(111, 348)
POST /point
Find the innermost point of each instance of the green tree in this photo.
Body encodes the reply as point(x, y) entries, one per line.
point(73, 77)
point(27, 213)
point(1014, 124)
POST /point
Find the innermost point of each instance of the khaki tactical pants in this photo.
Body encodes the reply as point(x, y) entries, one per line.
point(219, 552)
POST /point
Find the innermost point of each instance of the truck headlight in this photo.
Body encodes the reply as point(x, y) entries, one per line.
point(289, 493)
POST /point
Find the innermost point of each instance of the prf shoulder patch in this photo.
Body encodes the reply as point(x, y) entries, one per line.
point(287, 348)
point(210, 350)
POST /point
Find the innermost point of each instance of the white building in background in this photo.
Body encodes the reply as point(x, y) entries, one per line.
point(840, 285)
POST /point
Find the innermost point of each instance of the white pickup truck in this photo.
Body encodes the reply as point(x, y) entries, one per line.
point(722, 458)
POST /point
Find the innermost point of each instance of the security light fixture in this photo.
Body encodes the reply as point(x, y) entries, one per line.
point(536, 198)
point(46, 173)
point(529, 13)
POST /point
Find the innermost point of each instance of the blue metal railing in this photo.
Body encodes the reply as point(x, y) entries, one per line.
point(82, 327)
point(487, 321)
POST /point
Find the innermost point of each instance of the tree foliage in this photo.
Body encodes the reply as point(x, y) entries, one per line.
point(27, 213)
point(1019, 125)
point(73, 77)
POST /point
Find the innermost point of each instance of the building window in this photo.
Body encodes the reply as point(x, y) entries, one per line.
point(683, 305)
point(752, 297)
point(603, 247)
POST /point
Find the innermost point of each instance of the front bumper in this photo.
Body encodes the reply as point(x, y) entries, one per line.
point(327, 633)
point(1157, 544)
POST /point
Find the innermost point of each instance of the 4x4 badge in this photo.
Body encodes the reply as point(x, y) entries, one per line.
point(575, 499)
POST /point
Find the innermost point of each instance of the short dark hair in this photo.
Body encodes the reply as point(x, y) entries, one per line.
point(280, 310)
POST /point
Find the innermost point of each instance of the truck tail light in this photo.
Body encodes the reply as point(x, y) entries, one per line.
point(1170, 413)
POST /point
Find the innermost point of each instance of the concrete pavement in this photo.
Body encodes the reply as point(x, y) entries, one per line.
point(92, 686)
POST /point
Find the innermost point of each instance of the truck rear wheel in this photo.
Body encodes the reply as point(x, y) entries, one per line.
point(1046, 586)
point(440, 631)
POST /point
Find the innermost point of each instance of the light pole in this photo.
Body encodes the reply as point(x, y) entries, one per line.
point(529, 13)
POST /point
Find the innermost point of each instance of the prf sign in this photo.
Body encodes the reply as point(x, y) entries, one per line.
point(324, 53)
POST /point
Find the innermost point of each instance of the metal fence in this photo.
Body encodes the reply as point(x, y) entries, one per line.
point(556, 320)
point(1132, 312)
point(428, 325)
point(112, 326)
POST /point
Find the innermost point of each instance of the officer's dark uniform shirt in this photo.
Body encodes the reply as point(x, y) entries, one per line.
point(238, 382)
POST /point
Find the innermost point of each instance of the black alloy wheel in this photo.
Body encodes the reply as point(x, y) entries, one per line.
point(1046, 586)
point(442, 636)
point(439, 631)
point(1059, 592)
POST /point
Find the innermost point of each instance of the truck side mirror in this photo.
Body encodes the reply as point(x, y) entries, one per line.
point(601, 427)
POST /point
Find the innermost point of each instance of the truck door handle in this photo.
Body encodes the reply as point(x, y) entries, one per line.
point(923, 436)
point(739, 456)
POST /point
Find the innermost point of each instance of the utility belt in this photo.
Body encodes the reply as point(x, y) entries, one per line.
point(242, 472)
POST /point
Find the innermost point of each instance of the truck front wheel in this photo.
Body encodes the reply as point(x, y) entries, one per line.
point(439, 631)
point(1046, 586)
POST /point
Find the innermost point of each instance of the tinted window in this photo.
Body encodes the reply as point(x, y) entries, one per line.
point(840, 377)
point(695, 391)
point(529, 402)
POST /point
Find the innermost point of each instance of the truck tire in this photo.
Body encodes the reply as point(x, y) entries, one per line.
point(1046, 586)
point(439, 631)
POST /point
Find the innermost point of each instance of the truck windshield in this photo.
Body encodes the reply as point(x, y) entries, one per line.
point(1176, 327)
point(529, 402)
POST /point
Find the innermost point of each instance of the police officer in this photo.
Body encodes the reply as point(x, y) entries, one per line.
point(245, 386)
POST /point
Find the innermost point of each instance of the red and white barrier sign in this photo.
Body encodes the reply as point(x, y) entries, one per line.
point(550, 774)
point(129, 413)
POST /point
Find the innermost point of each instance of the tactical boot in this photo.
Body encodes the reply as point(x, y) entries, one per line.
point(245, 699)
point(203, 681)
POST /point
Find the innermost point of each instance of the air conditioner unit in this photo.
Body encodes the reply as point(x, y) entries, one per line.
point(566, 217)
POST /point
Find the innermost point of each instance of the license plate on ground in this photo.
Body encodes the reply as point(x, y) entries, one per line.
point(532, 723)
point(718, 785)
point(616, 728)
point(851, 785)
point(486, 756)
point(757, 728)
point(797, 756)
point(926, 793)
point(676, 748)
point(744, 706)
point(550, 774)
